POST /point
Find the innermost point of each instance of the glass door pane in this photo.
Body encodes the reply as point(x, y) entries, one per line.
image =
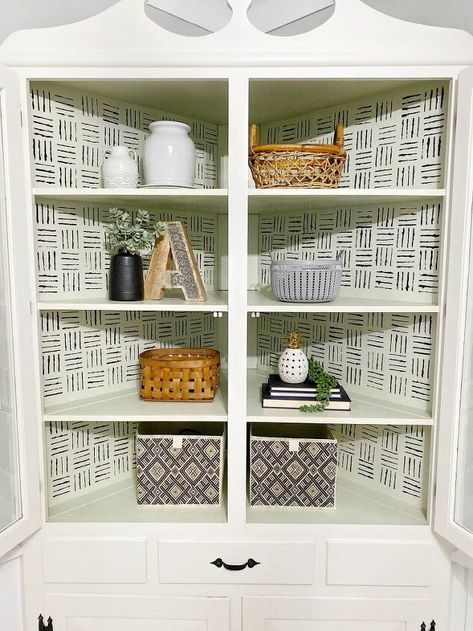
point(464, 479)
point(463, 501)
point(10, 496)
point(454, 416)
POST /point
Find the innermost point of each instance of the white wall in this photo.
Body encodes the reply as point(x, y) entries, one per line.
point(10, 596)
point(454, 13)
point(23, 14)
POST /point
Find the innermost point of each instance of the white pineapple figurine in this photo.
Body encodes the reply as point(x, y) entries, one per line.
point(293, 365)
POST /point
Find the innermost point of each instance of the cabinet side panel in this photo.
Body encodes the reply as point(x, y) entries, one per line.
point(390, 251)
point(72, 131)
point(381, 355)
point(73, 258)
point(396, 139)
point(90, 353)
point(83, 457)
point(387, 459)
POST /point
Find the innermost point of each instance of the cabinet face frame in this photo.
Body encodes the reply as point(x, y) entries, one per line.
point(20, 260)
point(238, 85)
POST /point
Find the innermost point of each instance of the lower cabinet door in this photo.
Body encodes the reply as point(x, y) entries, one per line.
point(83, 612)
point(335, 614)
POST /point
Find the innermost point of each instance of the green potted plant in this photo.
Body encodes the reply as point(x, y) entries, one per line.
point(324, 382)
point(129, 234)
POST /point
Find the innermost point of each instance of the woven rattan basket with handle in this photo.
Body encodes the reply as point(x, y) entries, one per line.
point(297, 166)
point(179, 374)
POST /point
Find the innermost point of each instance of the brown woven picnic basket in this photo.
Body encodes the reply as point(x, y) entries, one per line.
point(297, 166)
point(179, 374)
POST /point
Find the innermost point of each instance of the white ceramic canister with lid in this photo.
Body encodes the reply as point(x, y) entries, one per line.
point(293, 365)
point(169, 155)
point(120, 169)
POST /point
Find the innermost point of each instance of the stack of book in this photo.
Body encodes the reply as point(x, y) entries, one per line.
point(279, 394)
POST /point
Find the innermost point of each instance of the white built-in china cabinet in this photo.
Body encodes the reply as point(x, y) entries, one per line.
point(398, 337)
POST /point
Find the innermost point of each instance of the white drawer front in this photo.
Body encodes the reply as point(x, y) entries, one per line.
point(388, 563)
point(87, 560)
point(278, 562)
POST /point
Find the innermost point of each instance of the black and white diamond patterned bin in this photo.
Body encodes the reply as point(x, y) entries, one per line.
point(292, 466)
point(180, 466)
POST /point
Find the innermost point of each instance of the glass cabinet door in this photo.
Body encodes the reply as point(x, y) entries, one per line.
point(463, 502)
point(454, 498)
point(10, 494)
point(19, 419)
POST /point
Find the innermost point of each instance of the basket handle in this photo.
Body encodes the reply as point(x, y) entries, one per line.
point(338, 138)
point(337, 141)
point(254, 137)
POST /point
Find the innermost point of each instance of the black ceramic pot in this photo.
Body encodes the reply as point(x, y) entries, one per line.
point(126, 277)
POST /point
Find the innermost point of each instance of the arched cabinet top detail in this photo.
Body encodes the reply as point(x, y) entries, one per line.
point(124, 35)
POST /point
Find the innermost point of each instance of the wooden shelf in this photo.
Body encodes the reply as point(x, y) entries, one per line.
point(216, 301)
point(117, 504)
point(354, 505)
point(263, 301)
point(364, 410)
point(126, 406)
point(175, 199)
point(275, 200)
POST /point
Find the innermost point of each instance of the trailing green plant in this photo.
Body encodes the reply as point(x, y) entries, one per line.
point(133, 234)
point(324, 382)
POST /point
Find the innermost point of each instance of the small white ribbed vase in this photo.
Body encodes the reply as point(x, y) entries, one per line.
point(169, 155)
point(120, 169)
point(293, 365)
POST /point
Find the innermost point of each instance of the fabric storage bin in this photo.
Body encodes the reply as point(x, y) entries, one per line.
point(292, 465)
point(180, 464)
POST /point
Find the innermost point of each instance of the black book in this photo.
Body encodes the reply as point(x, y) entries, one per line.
point(301, 395)
point(341, 401)
point(276, 384)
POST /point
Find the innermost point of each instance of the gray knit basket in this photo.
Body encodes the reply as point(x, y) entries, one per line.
point(306, 281)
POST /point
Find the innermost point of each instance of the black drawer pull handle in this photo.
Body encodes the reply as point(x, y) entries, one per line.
point(235, 568)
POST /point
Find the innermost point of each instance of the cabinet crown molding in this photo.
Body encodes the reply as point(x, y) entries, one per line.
point(124, 36)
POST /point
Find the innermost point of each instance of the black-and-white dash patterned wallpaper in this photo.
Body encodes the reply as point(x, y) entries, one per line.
point(397, 139)
point(72, 258)
point(388, 248)
point(72, 132)
point(385, 458)
point(84, 457)
point(85, 353)
point(383, 355)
